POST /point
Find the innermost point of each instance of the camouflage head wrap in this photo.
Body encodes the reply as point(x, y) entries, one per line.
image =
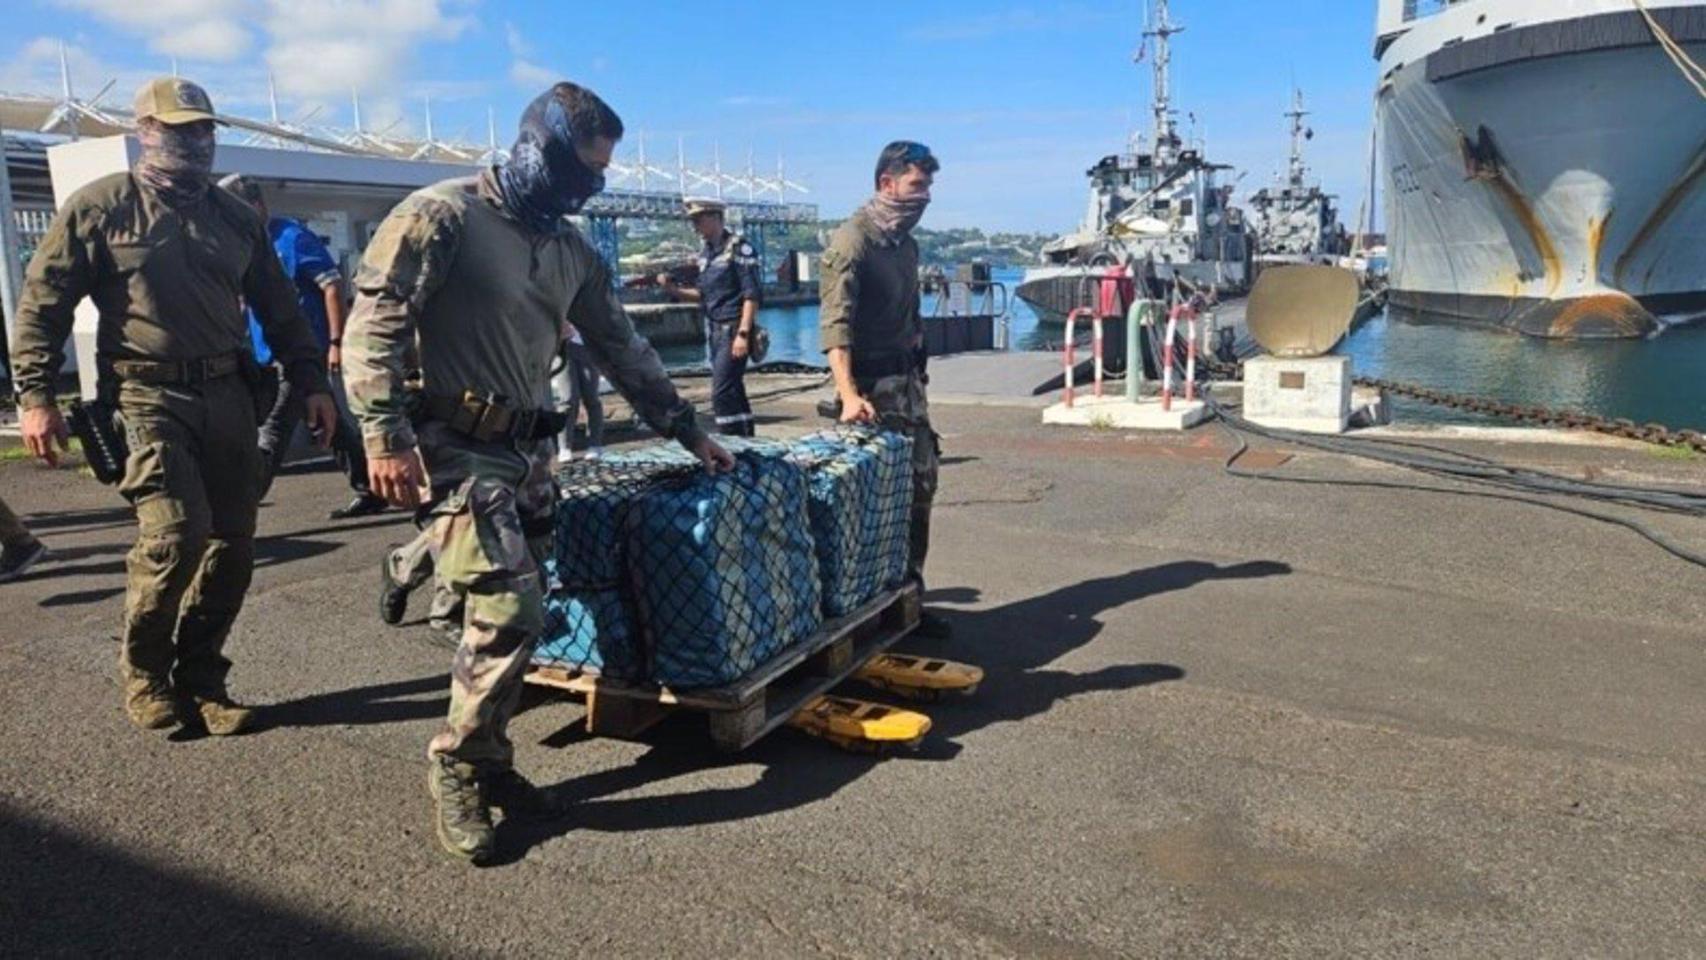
point(544, 179)
point(896, 216)
point(176, 160)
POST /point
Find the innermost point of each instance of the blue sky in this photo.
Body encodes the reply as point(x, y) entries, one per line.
point(1018, 99)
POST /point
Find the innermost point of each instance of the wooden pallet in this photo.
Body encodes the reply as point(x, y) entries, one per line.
point(742, 712)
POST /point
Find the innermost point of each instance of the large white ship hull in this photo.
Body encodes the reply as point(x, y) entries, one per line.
point(1559, 195)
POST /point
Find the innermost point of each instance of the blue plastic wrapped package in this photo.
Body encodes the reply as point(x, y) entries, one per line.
point(724, 571)
point(589, 623)
point(860, 485)
point(591, 631)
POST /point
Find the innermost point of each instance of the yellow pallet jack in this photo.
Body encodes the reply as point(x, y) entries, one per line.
point(921, 678)
point(861, 726)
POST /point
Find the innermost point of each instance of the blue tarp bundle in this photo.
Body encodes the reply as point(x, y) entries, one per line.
point(724, 572)
point(589, 621)
point(591, 630)
point(860, 507)
point(663, 573)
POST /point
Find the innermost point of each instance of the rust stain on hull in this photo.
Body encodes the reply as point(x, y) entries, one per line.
point(1483, 162)
point(1603, 315)
point(1661, 214)
point(1596, 245)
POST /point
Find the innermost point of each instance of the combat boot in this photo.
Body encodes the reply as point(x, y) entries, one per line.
point(222, 716)
point(515, 796)
point(393, 596)
point(463, 822)
point(150, 704)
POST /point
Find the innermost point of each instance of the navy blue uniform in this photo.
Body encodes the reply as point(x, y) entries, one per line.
point(728, 275)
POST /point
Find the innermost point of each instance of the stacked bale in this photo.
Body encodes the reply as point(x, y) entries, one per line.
point(860, 484)
point(663, 573)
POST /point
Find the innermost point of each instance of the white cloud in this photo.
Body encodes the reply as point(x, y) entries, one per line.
point(210, 30)
point(35, 69)
point(531, 76)
point(524, 70)
point(321, 47)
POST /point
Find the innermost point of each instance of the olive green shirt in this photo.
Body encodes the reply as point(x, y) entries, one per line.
point(869, 289)
point(488, 299)
point(169, 282)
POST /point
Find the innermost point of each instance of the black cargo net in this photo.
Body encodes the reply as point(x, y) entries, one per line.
point(662, 573)
point(860, 489)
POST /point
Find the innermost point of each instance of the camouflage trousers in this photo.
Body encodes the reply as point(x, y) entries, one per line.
point(488, 537)
point(902, 406)
point(411, 567)
point(193, 480)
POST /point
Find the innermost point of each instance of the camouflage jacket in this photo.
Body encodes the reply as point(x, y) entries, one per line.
point(488, 300)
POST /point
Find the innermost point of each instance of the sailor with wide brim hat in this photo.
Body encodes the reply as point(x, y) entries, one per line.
point(700, 206)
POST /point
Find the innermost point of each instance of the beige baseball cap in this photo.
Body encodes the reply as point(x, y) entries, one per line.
point(173, 100)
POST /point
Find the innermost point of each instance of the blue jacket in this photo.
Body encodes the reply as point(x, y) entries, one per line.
point(728, 274)
point(310, 266)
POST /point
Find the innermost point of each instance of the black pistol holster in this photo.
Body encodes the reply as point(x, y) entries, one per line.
point(99, 429)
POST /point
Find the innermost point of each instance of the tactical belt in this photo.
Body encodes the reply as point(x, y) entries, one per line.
point(487, 419)
point(872, 364)
point(179, 373)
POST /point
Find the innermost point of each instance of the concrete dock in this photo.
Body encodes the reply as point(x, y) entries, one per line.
point(1222, 717)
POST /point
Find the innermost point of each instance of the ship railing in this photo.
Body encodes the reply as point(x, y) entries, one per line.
point(966, 315)
point(967, 298)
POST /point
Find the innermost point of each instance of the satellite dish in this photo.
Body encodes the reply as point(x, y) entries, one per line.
point(1300, 310)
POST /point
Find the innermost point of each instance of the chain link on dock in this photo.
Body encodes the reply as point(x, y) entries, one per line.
point(1654, 433)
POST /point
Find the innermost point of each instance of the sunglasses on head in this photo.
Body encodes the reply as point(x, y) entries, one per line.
point(915, 153)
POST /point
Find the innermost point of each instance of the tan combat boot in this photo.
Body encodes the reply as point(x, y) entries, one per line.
point(150, 704)
point(461, 818)
point(222, 716)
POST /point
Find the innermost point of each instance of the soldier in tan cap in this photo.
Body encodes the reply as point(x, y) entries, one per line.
point(169, 260)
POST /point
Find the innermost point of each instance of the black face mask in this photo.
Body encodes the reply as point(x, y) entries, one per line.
point(544, 179)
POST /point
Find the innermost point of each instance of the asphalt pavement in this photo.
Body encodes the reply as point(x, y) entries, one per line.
point(1223, 717)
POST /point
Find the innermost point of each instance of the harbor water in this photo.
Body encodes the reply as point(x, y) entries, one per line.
point(1657, 380)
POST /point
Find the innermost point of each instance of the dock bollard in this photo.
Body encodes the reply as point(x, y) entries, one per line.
point(1141, 315)
point(1071, 351)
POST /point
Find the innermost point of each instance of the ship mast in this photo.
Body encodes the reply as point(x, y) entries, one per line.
point(1298, 134)
point(1161, 30)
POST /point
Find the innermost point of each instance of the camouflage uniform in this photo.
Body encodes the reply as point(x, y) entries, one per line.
point(169, 281)
point(869, 285)
point(411, 567)
point(488, 298)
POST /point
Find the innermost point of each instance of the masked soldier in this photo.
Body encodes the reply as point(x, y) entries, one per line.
point(871, 330)
point(169, 260)
point(486, 271)
point(728, 293)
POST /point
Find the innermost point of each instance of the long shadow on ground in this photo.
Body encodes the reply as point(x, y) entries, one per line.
point(76, 896)
point(1014, 644)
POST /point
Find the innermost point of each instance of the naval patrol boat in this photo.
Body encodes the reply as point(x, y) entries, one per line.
point(1543, 162)
point(1295, 221)
point(1158, 210)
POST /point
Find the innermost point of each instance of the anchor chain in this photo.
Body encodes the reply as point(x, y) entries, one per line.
point(1654, 433)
